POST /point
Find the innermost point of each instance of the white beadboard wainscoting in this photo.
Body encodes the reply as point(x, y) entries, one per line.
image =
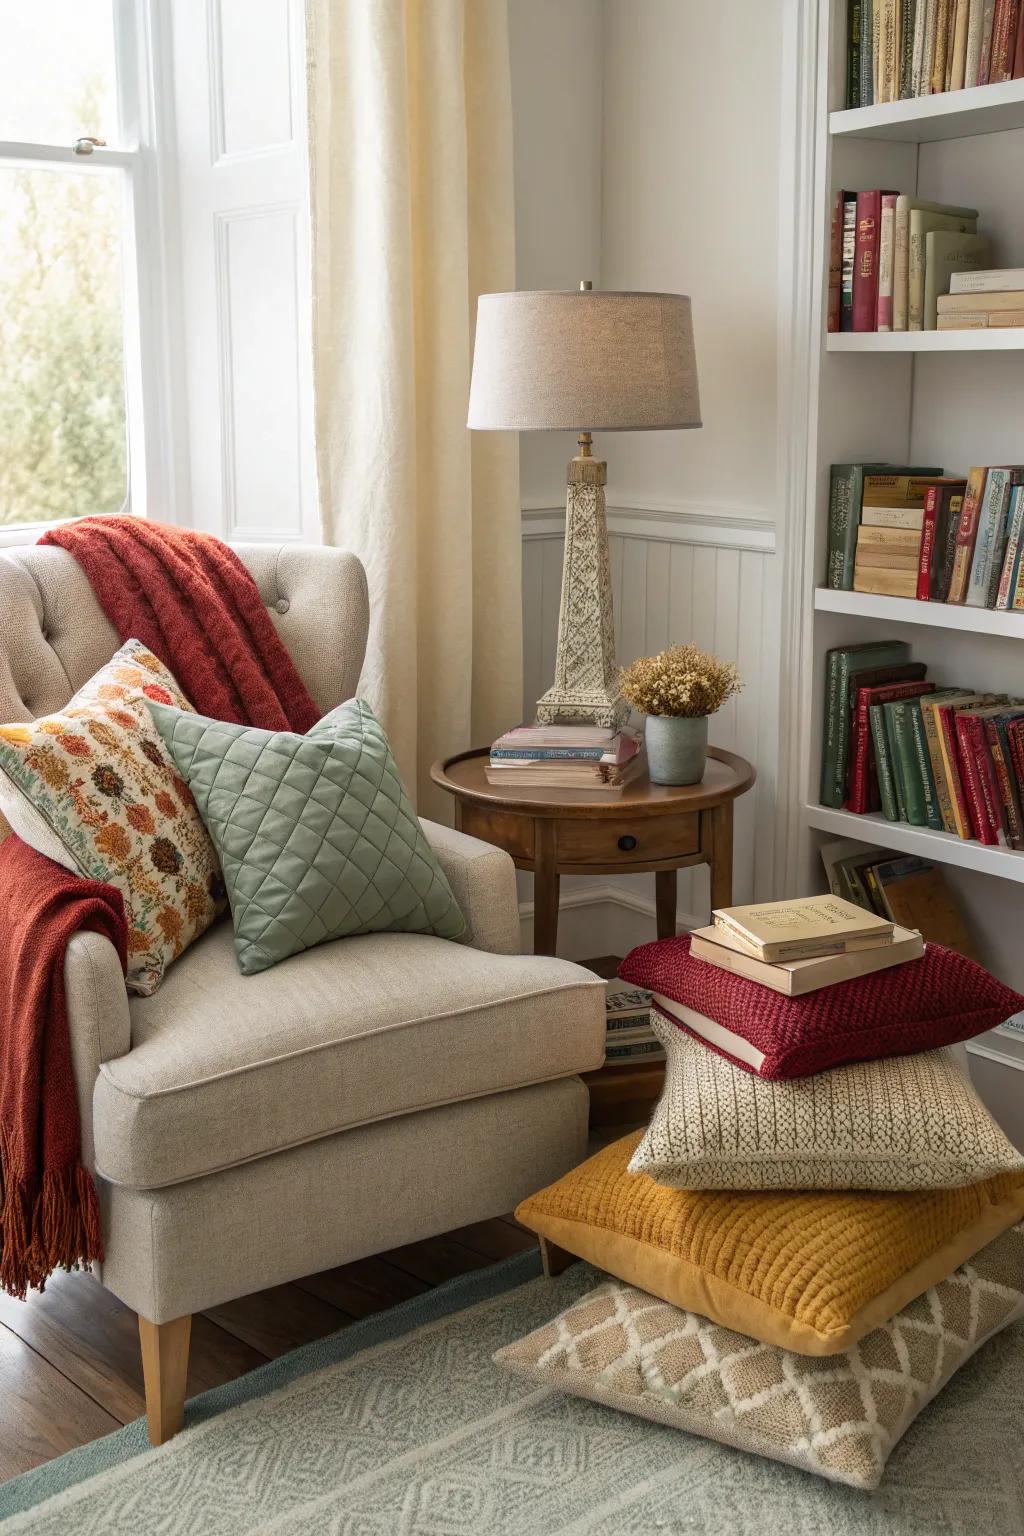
point(679, 573)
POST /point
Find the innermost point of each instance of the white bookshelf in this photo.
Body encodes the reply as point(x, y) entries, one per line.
point(1007, 339)
point(953, 398)
point(932, 119)
point(906, 610)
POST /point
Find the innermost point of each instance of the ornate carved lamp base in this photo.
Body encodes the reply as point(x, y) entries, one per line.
point(585, 672)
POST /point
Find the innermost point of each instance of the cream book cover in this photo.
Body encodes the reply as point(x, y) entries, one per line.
point(794, 978)
point(807, 926)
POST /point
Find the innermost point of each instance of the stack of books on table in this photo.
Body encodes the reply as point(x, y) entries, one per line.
point(979, 301)
point(629, 1037)
point(566, 757)
point(798, 946)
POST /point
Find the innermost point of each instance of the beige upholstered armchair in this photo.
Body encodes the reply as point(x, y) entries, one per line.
point(246, 1131)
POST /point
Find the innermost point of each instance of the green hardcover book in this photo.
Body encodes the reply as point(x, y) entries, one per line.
point(853, 54)
point(908, 771)
point(841, 663)
point(846, 491)
point(933, 815)
point(883, 764)
point(895, 763)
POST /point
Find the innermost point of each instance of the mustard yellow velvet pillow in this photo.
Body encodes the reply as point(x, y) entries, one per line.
point(811, 1272)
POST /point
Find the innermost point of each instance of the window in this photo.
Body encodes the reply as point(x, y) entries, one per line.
point(72, 185)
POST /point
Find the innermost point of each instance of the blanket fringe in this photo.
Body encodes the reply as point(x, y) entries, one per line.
point(54, 1225)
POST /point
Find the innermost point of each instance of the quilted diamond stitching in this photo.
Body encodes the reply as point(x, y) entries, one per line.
point(316, 834)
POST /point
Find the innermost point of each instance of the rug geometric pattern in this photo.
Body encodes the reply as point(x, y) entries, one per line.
point(420, 1435)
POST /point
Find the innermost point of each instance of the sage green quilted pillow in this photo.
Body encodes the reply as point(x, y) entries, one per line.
point(316, 835)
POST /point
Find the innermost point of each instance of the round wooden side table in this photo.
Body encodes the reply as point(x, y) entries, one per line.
point(659, 828)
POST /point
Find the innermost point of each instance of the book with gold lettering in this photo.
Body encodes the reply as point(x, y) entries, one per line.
point(803, 928)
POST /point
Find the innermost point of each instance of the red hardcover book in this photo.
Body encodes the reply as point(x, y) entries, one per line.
point(1004, 40)
point(835, 263)
point(1009, 801)
point(863, 795)
point(973, 752)
point(945, 720)
point(966, 533)
point(927, 555)
point(875, 677)
point(865, 260)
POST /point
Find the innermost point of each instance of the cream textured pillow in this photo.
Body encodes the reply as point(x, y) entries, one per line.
point(908, 1122)
point(839, 1417)
point(94, 788)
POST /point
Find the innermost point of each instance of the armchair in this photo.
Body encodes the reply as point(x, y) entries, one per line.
point(247, 1131)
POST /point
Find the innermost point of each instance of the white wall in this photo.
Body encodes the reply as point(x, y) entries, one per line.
point(683, 125)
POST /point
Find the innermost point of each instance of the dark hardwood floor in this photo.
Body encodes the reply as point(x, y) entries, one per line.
point(70, 1368)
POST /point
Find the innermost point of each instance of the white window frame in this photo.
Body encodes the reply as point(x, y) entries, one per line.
point(157, 468)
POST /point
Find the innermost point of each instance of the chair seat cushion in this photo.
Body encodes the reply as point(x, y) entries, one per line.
point(226, 1068)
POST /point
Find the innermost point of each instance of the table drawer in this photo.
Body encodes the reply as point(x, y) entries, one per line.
point(644, 841)
point(505, 830)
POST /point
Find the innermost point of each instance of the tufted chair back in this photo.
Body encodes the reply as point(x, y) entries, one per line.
point(54, 635)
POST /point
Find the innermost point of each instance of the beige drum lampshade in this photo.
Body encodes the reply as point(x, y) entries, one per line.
point(584, 361)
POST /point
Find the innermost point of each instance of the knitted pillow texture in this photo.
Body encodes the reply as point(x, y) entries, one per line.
point(937, 1000)
point(316, 834)
point(804, 1271)
point(839, 1418)
point(94, 788)
point(907, 1122)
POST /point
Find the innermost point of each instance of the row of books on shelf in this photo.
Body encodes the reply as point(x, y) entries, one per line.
point(911, 531)
point(900, 49)
point(911, 892)
point(566, 757)
point(947, 758)
point(901, 263)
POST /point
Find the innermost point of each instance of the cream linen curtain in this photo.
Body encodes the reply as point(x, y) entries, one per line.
point(412, 205)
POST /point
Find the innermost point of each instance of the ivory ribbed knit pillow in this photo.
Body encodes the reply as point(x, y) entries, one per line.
point(908, 1122)
point(936, 1000)
point(809, 1272)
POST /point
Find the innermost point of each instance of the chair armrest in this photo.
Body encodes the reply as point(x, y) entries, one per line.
point(98, 1019)
point(483, 882)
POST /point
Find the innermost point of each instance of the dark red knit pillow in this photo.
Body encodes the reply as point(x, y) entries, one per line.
point(937, 1000)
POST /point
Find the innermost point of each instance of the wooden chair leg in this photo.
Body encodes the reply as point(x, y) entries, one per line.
point(553, 1258)
point(165, 1370)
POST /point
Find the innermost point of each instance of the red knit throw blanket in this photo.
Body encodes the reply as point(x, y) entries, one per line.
point(193, 603)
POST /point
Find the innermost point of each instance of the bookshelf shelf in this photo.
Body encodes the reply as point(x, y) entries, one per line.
point(1008, 339)
point(933, 119)
point(906, 610)
point(940, 847)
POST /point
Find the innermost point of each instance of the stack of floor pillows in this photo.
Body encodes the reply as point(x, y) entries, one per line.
point(820, 1224)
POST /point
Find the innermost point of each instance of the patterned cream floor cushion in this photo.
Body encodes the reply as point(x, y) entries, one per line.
point(806, 1270)
point(839, 1417)
point(94, 788)
point(906, 1122)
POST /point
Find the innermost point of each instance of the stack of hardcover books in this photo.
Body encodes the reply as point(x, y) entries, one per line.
point(799, 946)
point(917, 533)
point(894, 259)
point(982, 300)
point(629, 1037)
point(566, 757)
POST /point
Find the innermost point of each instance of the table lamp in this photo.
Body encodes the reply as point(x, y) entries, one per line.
point(588, 362)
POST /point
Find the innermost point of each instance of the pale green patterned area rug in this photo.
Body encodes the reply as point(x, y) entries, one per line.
point(401, 1426)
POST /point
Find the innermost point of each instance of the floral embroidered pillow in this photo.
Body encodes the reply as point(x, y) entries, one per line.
point(94, 788)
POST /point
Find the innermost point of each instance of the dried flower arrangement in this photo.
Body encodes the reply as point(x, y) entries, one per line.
point(683, 680)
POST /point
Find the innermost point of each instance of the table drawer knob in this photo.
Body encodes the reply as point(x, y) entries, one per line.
point(627, 844)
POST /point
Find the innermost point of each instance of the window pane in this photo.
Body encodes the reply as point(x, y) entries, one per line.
point(57, 71)
point(62, 402)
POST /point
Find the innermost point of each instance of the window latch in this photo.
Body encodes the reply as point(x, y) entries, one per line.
point(86, 145)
